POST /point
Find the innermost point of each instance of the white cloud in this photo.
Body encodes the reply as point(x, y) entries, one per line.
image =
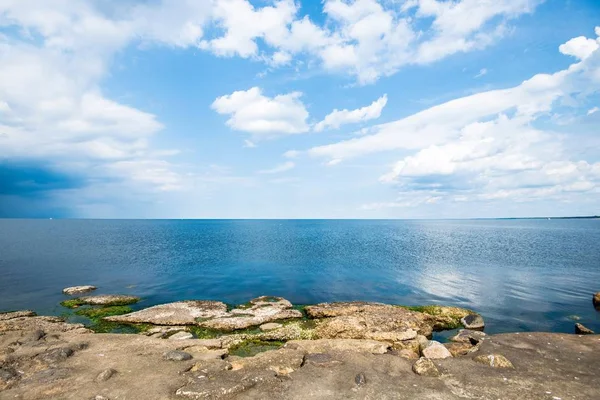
point(286, 166)
point(262, 116)
point(249, 144)
point(579, 47)
point(485, 146)
point(593, 110)
point(482, 72)
point(338, 118)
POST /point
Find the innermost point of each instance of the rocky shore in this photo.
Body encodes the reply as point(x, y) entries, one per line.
point(269, 348)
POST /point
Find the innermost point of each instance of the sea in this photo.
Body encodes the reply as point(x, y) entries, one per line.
point(520, 275)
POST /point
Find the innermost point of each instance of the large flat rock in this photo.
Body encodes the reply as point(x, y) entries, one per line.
point(177, 313)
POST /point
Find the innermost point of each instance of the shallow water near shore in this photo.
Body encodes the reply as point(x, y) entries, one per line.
point(521, 275)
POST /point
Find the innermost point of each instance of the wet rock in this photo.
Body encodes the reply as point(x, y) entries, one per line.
point(109, 300)
point(436, 350)
point(582, 330)
point(375, 321)
point(330, 345)
point(425, 367)
point(78, 289)
point(105, 375)
point(473, 321)
point(181, 336)
point(270, 326)
point(494, 360)
point(258, 311)
point(177, 355)
point(56, 355)
point(596, 300)
point(360, 379)
point(177, 313)
point(459, 348)
point(468, 336)
point(16, 314)
point(320, 360)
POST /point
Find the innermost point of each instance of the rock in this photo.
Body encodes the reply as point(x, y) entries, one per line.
point(582, 330)
point(405, 353)
point(473, 321)
point(596, 300)
point(181, 336)
point(202, 353)
point(425, 367)
point(78, 289)
point(258, 311)
point(423, 342)
point(226, 386)
point(494, 360)
point(360, 379)
point(56, 355)
point(375, 321)
point(32, 336)
point(177, 355)
point(16, 314)
point(436, 350)
point(105, 375)
point(468, 336)
point(8, 377)
point(270, 326)
point(46, 324)
point(320, 360)
point(282, 361)
point(459, 348)
point(109, 300)
point(329, 345)
point(177, 313)
point(99, 397)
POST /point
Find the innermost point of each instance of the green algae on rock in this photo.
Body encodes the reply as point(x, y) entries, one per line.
point(97, 313)
point(252, 347)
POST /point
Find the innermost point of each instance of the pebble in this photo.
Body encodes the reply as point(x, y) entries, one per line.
point(360, 379)
point(177, 355)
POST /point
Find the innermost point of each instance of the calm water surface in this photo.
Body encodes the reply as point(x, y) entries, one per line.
point(521, 275)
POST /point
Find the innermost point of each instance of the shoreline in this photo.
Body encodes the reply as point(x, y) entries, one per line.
point(268, 348)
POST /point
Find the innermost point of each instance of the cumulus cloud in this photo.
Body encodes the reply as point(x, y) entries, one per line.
point(263, 116)
point(338, 118)
point(485, 146)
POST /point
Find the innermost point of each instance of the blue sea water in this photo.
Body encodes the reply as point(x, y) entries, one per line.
point(521, 275)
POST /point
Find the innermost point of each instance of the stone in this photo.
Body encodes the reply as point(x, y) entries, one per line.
point(436, 350)
point(596, 300)
point(201, 353)
point(330, 345)
point(360, 379)
point(423, 342)
point(16, 314)
point(56, 355)
point(44, 323)
point(270, 326)
point(109, 300)
point(582, 330)
point(468, 336)
point(177, 355)
point(320, 360)
point(405, 353)
point(178, 313)
point(73, 290)
point(227, 386)
point(105, 375)
point(473, 321)
point(375, 321)
point(181, 336)
point(281, 361)
point(494, 360)
point(32, 336)
point(459, 348)
point(257, 312)
point(425, 367)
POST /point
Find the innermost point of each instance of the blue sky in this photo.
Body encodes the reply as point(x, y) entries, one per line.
point(282, 109)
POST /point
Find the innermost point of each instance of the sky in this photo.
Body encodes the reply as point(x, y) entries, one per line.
point(306, 109)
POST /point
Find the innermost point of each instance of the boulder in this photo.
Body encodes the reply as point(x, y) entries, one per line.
point(73, 290)
point(596, 300)
point(404, 353)
point(425, 367)
point(436, 350)
point(459, 348)
point(468, 336)
point(494, 360)
point(257, 312)
point(109, 300)
point(177, 355)
point(177, 313)
point(330, 345)
point(373, 321)
point(473, 321)
point(582, 330)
